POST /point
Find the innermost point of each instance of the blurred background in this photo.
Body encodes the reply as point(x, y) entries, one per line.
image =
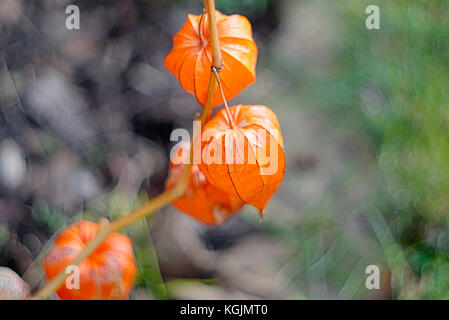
point(86, 116)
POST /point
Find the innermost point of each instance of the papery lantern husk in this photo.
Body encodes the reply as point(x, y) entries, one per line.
point(246, 160)
point(191, 58)
point(202, 200)
point(107, 274)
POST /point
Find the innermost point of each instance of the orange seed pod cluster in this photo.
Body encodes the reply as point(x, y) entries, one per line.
point(242, 153)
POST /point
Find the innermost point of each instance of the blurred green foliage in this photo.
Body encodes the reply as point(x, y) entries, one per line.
point(49, 217)
point(392, 86)
point(397, 80)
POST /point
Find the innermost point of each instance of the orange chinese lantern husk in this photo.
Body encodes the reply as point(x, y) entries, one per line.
point(202, 200)
point(190, 59)
point(244, 156)
point(107, 274)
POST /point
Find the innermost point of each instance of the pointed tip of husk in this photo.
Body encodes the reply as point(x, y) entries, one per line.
point(261, 214)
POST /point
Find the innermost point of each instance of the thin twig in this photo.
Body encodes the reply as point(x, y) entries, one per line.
point(231, 120)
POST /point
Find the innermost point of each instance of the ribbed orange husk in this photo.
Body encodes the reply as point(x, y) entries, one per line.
point(202, 200)
point(107, 274)
point(191, 58)
point(237, 160)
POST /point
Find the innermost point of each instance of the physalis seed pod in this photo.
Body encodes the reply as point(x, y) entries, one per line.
point(202, 200)
point(242, 153)
point(191, 58)
point(107, 274)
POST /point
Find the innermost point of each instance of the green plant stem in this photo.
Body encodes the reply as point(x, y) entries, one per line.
point(167, 197)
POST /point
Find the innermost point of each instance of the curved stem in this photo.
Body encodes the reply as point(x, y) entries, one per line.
point(217, 60)
point(163, 199)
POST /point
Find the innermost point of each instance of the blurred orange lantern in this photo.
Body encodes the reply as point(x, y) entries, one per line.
point(202, 200)
point(107, 274)
point(191, 58)
point(242, 153)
